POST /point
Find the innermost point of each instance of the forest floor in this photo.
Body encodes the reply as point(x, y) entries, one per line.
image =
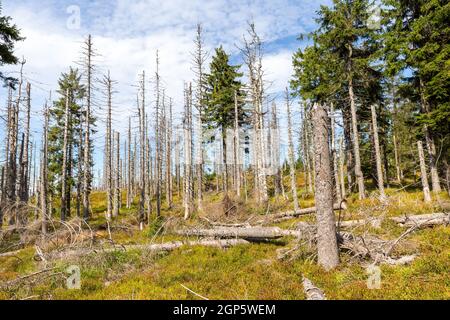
point(247, 271)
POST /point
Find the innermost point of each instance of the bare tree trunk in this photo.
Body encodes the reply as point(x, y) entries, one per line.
point(109, 178)
point(356, 152)
point(23, 183)
point(237, 156)
point(158, 135)
point(169, 190)
point(341, 167)
point(199, 61)
point(431, 147)
point(328, 254)
point(44, 175)
point(291, 154)
point(334, 155)
point(377, 152)
point(87, 138)
point(80, 168)
point(116, 209)
point(141, 109)
point(423, 171)
point(130, 179)
point(64, 186)
point(188, 155)
point(397, 160)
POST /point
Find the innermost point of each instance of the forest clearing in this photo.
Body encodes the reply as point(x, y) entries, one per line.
point(330, 182)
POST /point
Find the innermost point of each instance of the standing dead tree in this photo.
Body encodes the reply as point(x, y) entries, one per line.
point(141, 111)
point(107, 82)
point(377, 153)
point(88, 55)
point(24, 160)
point(187, 130)
point(116, 207)
point(158, 146)
point(423, 172)
point(44, 173)
point(252, 52)
point(328, 253)
point(130, 179)
point(199, 59)
point(64, 184)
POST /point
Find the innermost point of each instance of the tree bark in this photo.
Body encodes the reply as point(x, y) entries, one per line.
point(64, 186)
point(291, 154)
point(328, 253)
point(423, 172)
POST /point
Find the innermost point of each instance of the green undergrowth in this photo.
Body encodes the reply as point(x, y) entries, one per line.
point(245, 271)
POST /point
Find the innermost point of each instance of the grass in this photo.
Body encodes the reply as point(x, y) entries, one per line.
point(246, 271)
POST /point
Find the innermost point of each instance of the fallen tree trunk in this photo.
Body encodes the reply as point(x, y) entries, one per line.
point(311, 291)
point(169, 246)
point(251, 234)
point(282, 216)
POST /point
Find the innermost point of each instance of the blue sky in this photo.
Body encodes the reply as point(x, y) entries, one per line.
point(126, 34)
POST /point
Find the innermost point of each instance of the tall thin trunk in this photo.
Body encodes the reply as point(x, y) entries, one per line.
point(397, 159)
point(377, 152)
point(358, 170)
point(431, 147)
point(158, 154)
point(341, 167)
point(291, 154)
point(141, 109)
point(334, 155)
point(423, 172)
point(64, 185)
point(44, 176)
point(87, 138)
point(130, 179)
point(24, 186)
point(328, 253)
point(237, 174)
point(109, 175)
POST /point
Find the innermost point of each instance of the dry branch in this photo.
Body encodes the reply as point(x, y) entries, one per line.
point(251, 233)
point(311, 291)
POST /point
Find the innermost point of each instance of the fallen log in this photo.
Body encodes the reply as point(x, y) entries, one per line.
point(250, 234)
point(282, 216)
point(169, 246)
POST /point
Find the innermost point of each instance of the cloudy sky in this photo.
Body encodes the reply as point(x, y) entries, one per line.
point(126, 35)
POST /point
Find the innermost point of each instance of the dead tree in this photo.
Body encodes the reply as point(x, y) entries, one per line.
point(356, 152)
point(116, 207)
point(423, 172)
point(377, 152)
point(253, 59)
point(88, 54)
point(187, 129)
point(107, 82)
point(130, 179)
point(169, 181)
point(337, 185)
point(24, 170)
point(237, 155)
point(328, 253)
point(341, 167)
point(199, 59)
point(64, 186)
point(11, 194)
point(158, 147)
point(291, 153)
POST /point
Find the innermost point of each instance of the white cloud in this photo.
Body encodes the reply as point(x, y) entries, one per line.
point(127, 34)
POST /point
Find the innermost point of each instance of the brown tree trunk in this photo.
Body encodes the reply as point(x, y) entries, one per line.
point(423, 172)
point(328, 254)
point(377, 152)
